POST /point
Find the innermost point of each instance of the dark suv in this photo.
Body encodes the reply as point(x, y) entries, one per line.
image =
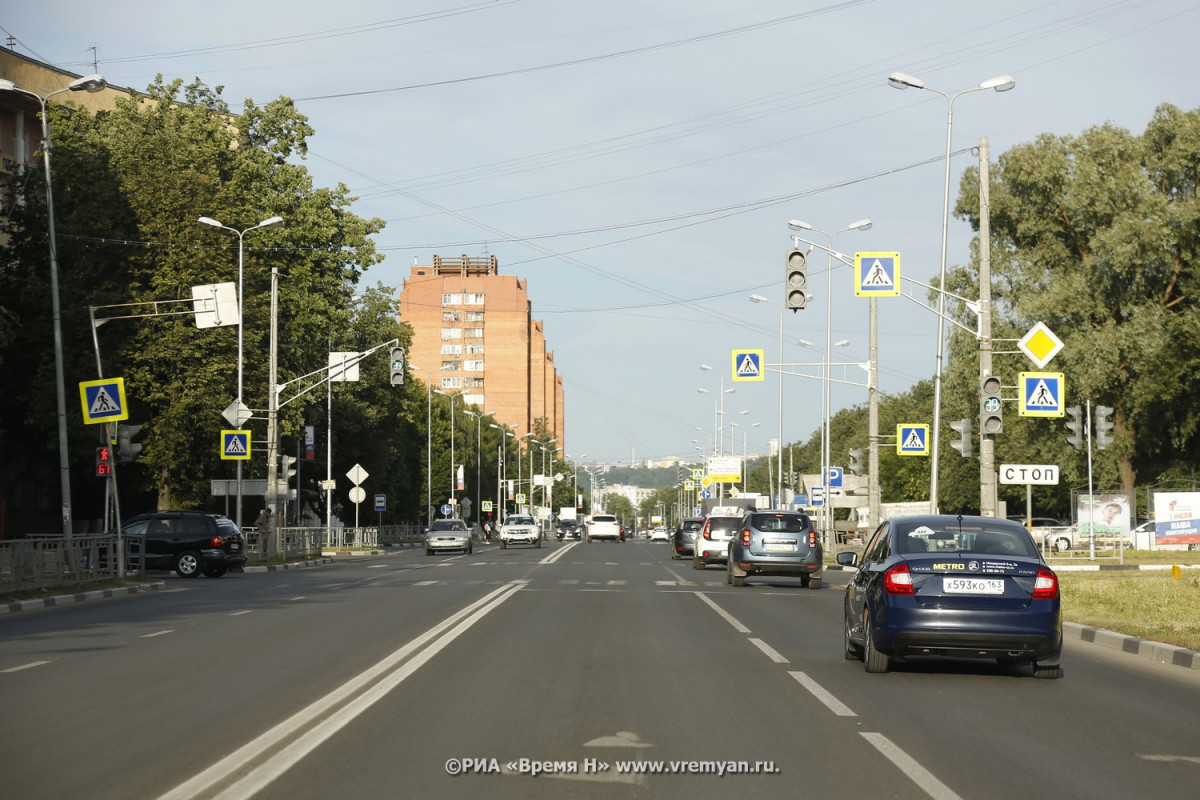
point(189, 542)
point(775, 543)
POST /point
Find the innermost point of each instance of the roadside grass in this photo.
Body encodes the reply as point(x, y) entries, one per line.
point(1147, 604)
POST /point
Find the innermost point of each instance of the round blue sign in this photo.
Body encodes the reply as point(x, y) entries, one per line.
point(446, 509)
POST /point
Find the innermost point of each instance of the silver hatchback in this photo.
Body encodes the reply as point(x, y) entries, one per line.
point(448, 534)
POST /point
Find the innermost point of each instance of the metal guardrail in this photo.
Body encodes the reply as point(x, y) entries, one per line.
point(43, 562)
point(311, 542)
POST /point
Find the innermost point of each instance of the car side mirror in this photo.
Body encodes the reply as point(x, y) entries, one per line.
point(847, 559)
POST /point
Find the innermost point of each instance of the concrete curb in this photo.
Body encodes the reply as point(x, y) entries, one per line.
point(82, 597)
point(1144, 648)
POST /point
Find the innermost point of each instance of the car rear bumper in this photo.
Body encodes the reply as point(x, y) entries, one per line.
point(1028, 633)
point(769, 566)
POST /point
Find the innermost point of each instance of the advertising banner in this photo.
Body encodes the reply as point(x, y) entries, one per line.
point(1106, 514)
point(1176, 518)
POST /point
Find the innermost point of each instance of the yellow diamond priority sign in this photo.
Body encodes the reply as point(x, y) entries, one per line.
point(1040, 344)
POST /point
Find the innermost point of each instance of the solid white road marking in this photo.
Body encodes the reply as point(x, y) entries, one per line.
point(262, 760)
point(30, 665)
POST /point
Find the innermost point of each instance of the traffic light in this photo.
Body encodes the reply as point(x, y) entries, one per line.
point(103, 461)
point(796, 281)
point(963, 444)
point(1075, 426)
point(1104, 424)
point(991, 420)
point(289, 466)
point(856, 454)
point(397, 366)
point(127, 449)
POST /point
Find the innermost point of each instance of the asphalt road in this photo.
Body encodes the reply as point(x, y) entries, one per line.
point(608, 670)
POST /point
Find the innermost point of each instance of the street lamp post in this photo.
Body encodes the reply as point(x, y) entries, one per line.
point(266, 223)
point(478, 460)
point(827, 372)
point(898, 80)
point(88, 83)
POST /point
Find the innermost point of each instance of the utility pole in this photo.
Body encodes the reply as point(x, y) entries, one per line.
point(988, 501)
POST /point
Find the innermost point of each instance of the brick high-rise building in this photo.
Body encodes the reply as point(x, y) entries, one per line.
point(473, 334)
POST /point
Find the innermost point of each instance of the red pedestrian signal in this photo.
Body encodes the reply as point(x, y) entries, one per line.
point(103, 462)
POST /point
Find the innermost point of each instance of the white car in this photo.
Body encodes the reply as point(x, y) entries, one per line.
point(519, 529)
point(604, 527)
point(659, 535)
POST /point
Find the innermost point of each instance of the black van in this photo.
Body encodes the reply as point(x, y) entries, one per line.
point(189, 542)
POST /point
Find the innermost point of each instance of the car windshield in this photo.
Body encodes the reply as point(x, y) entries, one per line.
point(604, 519)
point(449, 525)
point(519, 521)
point(724, 523)
point(782, 523)
point(994, 540)
point(692, 525)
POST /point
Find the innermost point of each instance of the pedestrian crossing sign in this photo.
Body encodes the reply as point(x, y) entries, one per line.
point(748, 365)
point(235, 445)
point(103, 400)
point(912, 440)
point(876, 274)
point(1041, 394)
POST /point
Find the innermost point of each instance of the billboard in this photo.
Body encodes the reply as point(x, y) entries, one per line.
point(1106, 514)
point(1176, 518)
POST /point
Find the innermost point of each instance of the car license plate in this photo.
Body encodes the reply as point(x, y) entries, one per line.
point(973, 585)
point(235, 545)
point(779, 547)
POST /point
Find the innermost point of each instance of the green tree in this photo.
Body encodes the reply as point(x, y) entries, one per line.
point(129, 187)
point(1096, 235)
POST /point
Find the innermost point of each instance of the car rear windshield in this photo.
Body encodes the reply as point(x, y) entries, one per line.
point(604, 519)
point(724, 523)
point(692, 524)
point(994, 540)
point(783, 523)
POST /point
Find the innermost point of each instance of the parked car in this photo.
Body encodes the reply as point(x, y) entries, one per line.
point(604, 527)
point(448, 534)
point(682, 542)
point(712, 545)
point(776, 543)
point(190, 542)
point(520, 529)
point(943, 585)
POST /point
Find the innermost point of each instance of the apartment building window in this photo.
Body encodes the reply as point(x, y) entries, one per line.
point(473, 383)
point(474, 349)
point(474, 316)
point(474, 333)
point(451, 333)
point(451, 366)
point(451, 383)
point(475, 299)
point(474, 366)
point(473, 399)
point(451, 316)
point(452, 349)
point(454, 299)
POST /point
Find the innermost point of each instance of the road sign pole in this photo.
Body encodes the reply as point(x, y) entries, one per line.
point(988, 497)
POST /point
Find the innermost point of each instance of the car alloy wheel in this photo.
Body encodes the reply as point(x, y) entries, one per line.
point(187, 564)
point(874, 660)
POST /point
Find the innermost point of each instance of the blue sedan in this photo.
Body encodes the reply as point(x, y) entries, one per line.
point(964, 587)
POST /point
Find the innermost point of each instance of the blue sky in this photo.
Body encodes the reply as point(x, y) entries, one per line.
point(637, 161)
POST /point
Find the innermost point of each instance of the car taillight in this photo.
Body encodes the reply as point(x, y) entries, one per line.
point(897, 580)
point(1045, 587)
point(215, 541)
point(812, 538)
point(707, 533)
point(746, 537)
